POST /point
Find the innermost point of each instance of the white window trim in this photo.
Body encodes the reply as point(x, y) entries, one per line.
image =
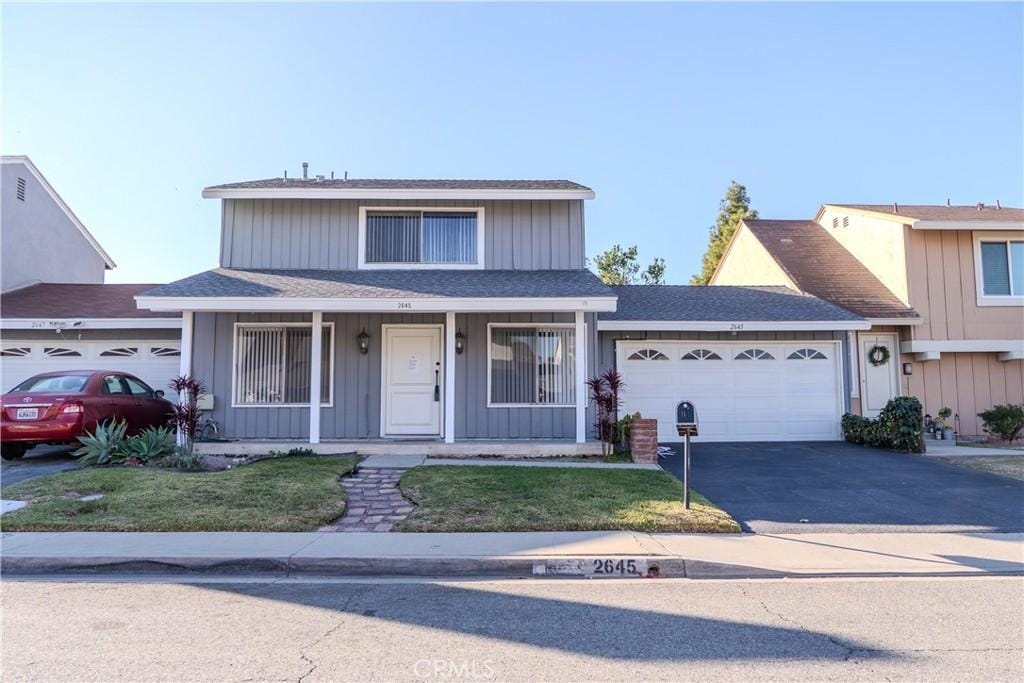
point(979, 279)
point(480, 246)
point(490, 404)
point(234, 367)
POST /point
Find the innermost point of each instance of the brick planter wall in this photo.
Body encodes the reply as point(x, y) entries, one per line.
point(643, 440)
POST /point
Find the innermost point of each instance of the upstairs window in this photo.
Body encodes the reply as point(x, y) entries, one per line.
point(1002, 267)
point(411, 238)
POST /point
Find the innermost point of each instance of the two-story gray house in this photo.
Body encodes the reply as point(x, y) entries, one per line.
point(451, 313)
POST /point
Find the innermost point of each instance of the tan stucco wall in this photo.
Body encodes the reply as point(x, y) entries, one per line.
point(877, 243)
point(943, 289)
point(748, 263)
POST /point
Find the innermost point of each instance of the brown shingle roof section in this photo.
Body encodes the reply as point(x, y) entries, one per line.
point(75, 301)
point(820, 266)
point(402, 184)
point(941, 212)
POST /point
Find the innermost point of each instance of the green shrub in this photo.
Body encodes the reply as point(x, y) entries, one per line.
point(152, 444)
point(1004, 421)
point(293, 453)
point(105, 446)
point(898, 426)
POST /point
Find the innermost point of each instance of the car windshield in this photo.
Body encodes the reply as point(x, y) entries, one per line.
point(54, 383)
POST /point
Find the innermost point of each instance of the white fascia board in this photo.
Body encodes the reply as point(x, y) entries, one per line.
point(41, 179)
point(963, 346)
point(90, 324)
point(379, 305)
point(896, 321)
point(967, 225)
point(389, 193)
point(730, 326)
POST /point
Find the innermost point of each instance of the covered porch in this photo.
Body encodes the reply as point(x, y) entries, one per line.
point(499, 369)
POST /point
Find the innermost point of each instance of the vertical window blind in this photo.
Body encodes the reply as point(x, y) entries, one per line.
point(533, 366)
point(995, 268)
point(421, 237)
point(272, 365)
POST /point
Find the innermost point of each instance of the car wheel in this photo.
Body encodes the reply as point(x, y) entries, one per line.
point(13, 451)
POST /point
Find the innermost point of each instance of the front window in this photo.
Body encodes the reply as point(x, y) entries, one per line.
point(1002, 267)
point(532, 365)
point(272, 365)
point(413, 237)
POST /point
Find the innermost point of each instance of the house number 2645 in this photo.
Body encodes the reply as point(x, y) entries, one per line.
point(404, 304)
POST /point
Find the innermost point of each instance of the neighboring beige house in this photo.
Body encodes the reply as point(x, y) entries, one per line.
point(943, 287)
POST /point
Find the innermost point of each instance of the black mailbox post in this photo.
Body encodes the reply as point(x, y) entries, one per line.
point(686, 426)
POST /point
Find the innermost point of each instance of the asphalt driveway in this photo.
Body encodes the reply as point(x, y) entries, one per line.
point(840, 487)
point(37, 462)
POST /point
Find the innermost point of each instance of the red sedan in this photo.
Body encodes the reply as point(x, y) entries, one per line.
point(58, 407)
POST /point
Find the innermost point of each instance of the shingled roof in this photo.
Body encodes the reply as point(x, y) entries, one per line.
point(401, 284)
point(941, 212)
point(819, 265)
point(401, 184)
point(722, 303)
point(77, 301)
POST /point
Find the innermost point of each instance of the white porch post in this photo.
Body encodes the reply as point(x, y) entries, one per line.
point(314, 376)
point(185, 361)
point(581, 378)
point(449, 377)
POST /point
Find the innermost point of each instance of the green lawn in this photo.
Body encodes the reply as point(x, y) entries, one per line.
point(452, 498)
point(289, 494)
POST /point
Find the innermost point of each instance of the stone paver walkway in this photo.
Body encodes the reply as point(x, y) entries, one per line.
point(374, 501)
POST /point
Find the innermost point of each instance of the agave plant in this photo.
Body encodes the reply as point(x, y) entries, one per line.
point(153, 443)
point(105, 446)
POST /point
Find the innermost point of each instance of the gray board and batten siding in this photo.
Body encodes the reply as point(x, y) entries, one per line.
point(355, 413)
point(323, 233)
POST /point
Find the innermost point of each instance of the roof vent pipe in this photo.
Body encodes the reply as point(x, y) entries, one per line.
point(305, 170)
point(980, 206)
point(895, 207)
point(947, 201)
point(286, 174)
point(332, 175)
point(346, 175)
point(998, 205)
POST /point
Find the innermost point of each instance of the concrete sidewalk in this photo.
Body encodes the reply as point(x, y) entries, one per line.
point(946, 449)
point(517, 554)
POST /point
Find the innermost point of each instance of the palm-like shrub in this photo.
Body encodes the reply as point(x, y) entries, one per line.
point(105, 446)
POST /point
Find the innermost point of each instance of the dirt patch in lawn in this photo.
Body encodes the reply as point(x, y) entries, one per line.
point(483, 498)
point(1005, 465)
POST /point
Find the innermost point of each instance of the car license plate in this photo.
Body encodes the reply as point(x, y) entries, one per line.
point(27, 413)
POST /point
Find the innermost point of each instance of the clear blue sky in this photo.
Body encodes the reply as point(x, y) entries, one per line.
point(131, 110)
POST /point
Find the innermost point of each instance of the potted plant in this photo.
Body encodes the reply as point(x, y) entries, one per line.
point(944, 431)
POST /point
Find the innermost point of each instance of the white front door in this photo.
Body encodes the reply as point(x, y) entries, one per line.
point(411, 390)
point(879, 381)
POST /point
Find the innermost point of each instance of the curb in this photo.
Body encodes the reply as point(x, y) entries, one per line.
point(436, 567)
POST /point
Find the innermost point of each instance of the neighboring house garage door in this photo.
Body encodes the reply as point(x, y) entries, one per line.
point(154, 362)
point(743, 391)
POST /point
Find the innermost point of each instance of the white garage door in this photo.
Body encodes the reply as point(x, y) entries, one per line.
point(155, 362)
point(743, 391)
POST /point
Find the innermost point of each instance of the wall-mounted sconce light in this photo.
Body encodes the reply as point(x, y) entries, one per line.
point(908, 368)
point(460, 342)
point(364, 342)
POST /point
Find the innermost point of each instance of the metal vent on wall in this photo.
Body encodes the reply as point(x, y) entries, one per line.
point(846, 221)
point(21, 189)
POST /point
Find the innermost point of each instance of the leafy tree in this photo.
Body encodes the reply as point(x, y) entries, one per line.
point(619, 266)
point(731, 210)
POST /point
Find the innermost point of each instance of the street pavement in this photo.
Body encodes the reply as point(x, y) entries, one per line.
point(964, 629)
